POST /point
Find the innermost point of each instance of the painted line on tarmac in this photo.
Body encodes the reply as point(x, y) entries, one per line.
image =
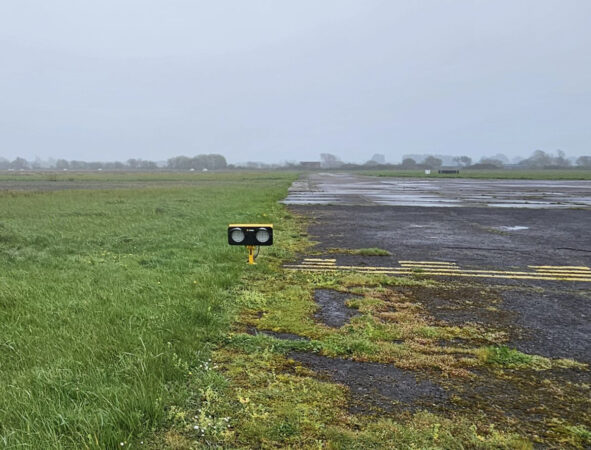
point(450, 269)
point(320, 259)
point(430, 263)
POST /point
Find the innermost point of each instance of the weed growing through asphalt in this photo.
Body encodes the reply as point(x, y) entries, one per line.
point(504, 356)
point(276, 402)
point(393, 328)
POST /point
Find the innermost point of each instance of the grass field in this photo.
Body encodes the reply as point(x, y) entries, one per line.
point(109, 300)
point(81, 179)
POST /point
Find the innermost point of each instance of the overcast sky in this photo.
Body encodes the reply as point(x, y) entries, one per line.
point(277, 80)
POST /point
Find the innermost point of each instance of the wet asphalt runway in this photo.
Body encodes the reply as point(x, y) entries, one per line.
point(472, 234)
point(497, 225)
point(347, 189)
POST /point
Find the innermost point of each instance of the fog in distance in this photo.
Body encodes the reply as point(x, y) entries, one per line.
point(280, 81)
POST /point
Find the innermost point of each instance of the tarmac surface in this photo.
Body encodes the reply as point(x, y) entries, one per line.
point(375, 386)
point(511, 257)
point(536, 259)
point(347, 189)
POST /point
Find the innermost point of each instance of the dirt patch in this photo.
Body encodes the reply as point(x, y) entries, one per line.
point(332, 310)
point(375, 387)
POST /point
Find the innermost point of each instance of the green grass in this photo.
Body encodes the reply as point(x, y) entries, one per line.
point(503, 356)
point(549, 174)
point(507, 357)
point(141, 179)
point(110, 300)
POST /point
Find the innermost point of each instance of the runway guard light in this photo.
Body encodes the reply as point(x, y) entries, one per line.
point(250, 235)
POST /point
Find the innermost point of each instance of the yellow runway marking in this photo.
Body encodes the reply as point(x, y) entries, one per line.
point(319, 259)
point(442, 270)
point(448, 269)
point(559, 272)
point(434, 266)
point(319, 262)
point(428, 262)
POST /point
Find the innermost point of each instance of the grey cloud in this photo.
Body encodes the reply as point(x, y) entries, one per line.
point(279, 81)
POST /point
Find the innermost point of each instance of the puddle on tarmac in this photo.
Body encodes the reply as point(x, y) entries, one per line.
point(347, 189)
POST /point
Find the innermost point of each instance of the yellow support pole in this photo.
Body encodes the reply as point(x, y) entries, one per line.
point(250, 254)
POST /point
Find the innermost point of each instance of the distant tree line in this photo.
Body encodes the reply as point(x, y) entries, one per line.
point(199, 162)
point(538, 160)
point(542, 160)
